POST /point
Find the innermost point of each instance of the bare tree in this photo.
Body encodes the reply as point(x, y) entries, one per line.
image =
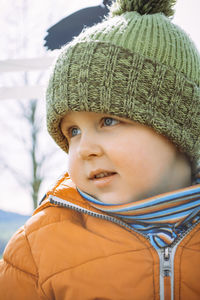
point(36, 163)
point(28, 110)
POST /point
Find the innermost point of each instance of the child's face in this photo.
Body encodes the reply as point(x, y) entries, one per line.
point(117, 160)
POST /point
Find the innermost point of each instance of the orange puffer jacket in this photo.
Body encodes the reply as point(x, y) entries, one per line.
point(71, 251)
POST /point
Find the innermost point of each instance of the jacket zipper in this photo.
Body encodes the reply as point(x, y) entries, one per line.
point(166, 255)
point(64, 203)
point(166, 273)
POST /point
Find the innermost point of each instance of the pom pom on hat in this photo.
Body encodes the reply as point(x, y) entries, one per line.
point(143, 7)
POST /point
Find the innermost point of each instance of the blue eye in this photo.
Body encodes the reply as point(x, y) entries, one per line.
point(73, 131)
point(108, 121)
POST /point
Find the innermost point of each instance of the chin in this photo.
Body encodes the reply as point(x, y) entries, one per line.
point(115, 200)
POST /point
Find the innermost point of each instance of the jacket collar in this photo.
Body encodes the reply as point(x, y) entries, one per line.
point(65, 191)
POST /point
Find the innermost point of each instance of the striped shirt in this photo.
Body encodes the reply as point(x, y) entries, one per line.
point(162, 218)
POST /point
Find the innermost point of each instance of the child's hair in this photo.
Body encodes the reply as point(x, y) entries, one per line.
point(136, 64)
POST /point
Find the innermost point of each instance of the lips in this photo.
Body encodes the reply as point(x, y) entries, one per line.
point(99, 174)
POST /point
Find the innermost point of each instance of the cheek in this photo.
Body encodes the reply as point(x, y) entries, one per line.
point(141, 155)
point(127, 154)
point(72, 164)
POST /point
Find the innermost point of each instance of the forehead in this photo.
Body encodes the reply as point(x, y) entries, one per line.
point(75, 116)
point(72, 116)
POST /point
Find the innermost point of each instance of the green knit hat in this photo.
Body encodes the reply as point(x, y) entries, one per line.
point(136, 64)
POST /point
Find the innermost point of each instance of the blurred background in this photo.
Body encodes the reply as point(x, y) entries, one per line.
point(31, 32)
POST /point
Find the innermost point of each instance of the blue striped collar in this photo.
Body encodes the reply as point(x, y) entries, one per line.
point(162, 218)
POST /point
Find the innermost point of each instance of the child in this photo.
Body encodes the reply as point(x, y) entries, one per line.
point(124, 102)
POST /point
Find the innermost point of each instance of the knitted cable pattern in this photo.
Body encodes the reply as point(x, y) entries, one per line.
point(140, 67)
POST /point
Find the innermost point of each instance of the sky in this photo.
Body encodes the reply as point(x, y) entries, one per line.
point(28, 36)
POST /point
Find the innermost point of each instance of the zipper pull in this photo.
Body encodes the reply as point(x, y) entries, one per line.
point(166, 264)
point(166, 273)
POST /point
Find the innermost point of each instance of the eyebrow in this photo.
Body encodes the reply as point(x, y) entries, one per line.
point(67, 120)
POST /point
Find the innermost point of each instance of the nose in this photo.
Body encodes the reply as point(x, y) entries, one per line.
point(89, 147)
